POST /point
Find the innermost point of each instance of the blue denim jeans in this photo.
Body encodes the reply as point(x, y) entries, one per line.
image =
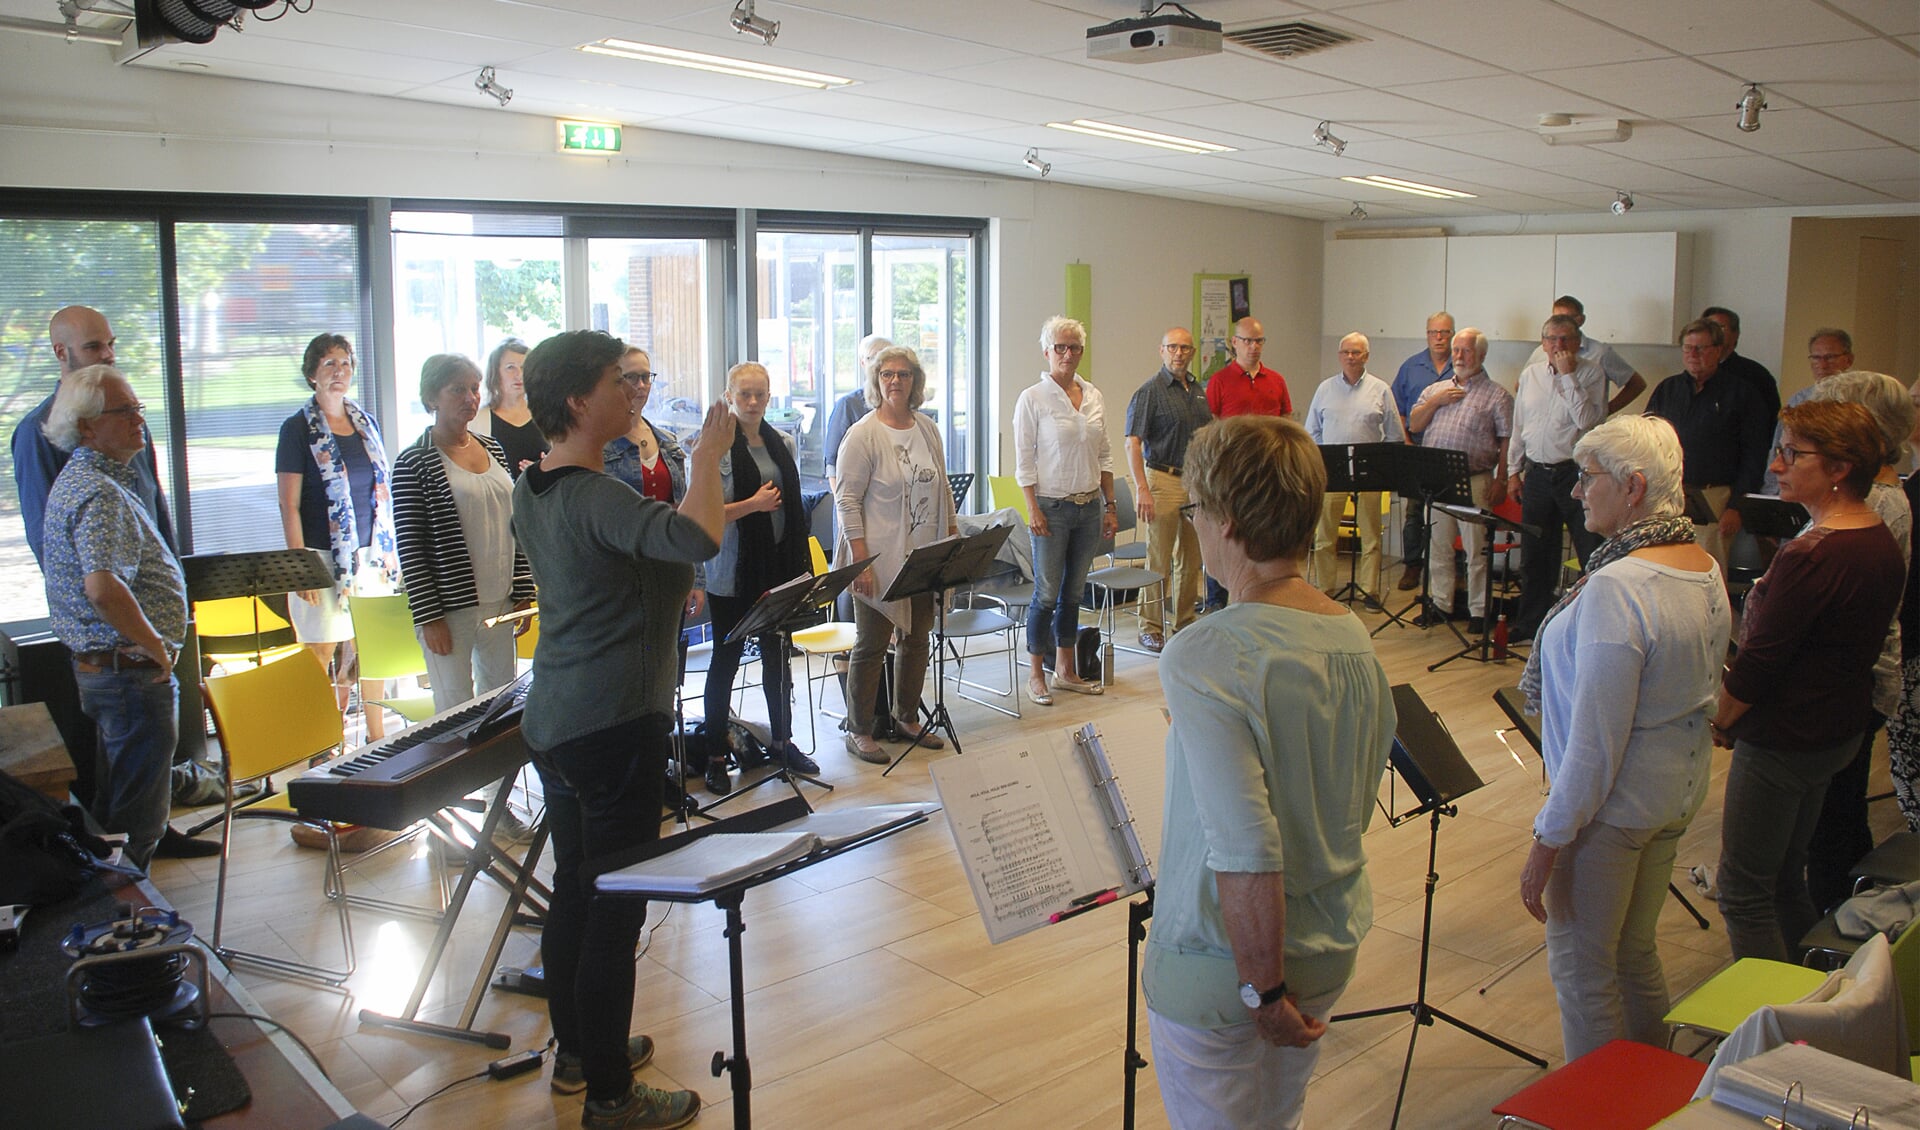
point(139, 724)
point(1060, 562)
point(603, 793)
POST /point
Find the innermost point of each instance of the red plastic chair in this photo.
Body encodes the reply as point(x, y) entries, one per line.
point(1621, 1085)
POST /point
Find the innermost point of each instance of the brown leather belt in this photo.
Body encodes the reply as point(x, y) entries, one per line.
point(112, 659)
point(1164, 468)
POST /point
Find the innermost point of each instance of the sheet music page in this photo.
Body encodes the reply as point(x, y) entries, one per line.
point(1024, 845)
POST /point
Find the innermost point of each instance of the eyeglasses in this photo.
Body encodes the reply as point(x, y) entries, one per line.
point(1174, 347)
point(637, 378)
point(1250, 340)
point(134, 409)
point(1695, 350)
point(1787, 454)
point(1586, 477)
point(895, 374)
point(1066, 349)
point(1826, 358)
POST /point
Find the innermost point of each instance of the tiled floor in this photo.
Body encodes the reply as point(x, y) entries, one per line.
point(874, 999)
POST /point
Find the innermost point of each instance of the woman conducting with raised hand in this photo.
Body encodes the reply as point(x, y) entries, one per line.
point(1623, 676)
point(1063, 464)
point(1279, 724)
point(892, 498)
point(506, 417)
point(335, 497)
point(452, 517)
point(614, 569)
point(765, 545)
point(1799, 694)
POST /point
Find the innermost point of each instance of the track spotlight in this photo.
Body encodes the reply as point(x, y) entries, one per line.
point(746, 23)
point(485, 84)
point(1032, 161)
point(1359, 211)
point(1750, 105)
point(1322, 136)
point(1622, 203)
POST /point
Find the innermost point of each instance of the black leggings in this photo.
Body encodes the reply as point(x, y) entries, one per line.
point(776, 677)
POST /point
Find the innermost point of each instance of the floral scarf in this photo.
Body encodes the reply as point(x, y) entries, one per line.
point(1672, 530)
point(341, 528)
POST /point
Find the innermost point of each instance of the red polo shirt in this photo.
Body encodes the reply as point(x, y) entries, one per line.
point(1231, 393)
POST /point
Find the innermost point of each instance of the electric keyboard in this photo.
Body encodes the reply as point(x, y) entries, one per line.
point(426, 767)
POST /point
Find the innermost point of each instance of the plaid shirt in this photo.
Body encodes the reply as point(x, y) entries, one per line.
point(95, 523)
point(1475, 424)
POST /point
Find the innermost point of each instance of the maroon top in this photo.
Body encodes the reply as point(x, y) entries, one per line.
point(1813, 627)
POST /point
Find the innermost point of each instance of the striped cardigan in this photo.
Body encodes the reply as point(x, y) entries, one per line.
point(433, 552)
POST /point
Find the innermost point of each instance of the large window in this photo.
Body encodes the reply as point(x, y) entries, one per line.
point(653, 293)
point(809, 329)
point(45, 264)
point(251, 296)
point(920, 299)
point(462, 284)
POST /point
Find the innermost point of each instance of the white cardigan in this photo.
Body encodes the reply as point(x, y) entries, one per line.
point(872, 504)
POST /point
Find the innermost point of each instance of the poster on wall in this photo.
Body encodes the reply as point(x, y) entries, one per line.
point(1218, 302)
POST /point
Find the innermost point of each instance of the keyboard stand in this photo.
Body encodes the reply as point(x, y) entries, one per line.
point(483, 857)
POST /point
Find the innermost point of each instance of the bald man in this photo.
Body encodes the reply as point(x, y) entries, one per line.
point(1352, 406)
point(81, 337)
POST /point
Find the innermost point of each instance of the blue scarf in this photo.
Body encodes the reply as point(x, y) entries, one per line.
point(342, 530)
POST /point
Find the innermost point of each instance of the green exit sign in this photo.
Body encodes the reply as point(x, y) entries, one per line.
point(589, 137)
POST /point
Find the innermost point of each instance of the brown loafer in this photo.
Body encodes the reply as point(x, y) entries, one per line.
point(1152, 641)
point(1409, 578)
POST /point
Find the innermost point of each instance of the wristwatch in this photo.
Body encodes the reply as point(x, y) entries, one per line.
point(1255, 999)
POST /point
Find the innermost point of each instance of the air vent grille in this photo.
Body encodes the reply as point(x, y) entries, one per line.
point(1291, 40)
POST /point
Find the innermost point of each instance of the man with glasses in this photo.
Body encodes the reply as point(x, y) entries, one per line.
point(1558, 400)
point(1724, 426)
point(1429, 366)
point(1620, 371)
point(1829, 353)
point(1162, 416)
point(1467, 412)
point(1245, 387)
point(117, 600)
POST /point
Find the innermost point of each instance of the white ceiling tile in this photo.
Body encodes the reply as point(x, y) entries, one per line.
point(1754, 170)
point(1787, 132)
point(1376, 110)
point(861, 107)
point(1658, 88)
point(1907, 190)
point(1861, 165)
point(1866, 70)
point(1514, 100)
point(1225, 121)
point(1071, 82)
point(1890, 17)
point(1236, 72)
point(1897, 120)
point(1512, 35)
point(1694, 26)
point(993, 102)
point(788, 123)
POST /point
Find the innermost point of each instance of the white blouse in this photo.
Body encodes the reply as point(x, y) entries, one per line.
point(1058, 450)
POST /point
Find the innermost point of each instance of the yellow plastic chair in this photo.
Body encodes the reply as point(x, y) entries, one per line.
point(269, 718)
point(524, 643)
point(383, 635)
point(1006, 493)
point(825, 641)
point(233, 619)
point(1718, 1004)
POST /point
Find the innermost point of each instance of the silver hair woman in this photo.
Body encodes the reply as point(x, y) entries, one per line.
point(1842, 835)
point(1624, 673)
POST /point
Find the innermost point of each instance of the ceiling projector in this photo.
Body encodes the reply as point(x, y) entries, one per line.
point(1153, 39)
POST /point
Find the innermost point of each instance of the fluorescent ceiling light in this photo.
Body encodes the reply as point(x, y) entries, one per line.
point(717, 64)
point(1410, 186)
point(1140, 137)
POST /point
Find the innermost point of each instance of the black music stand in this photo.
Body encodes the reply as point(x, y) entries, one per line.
point(1483, 651)
point(1354, 469)
point(1433, 475)
point(1425, 757)
point(729, 899)
point(1768, 516)
point(777, 612)
point(936, 568)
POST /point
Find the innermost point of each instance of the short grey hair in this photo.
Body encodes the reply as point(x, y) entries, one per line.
point(439, 371)
point(1478, 339)
point(79, 398)
point(1566, 322)
point(1880, 394)
point(1843, 337)
point(1639, 445)
point(917, 395)
point(869, 348)
point(1060, 326)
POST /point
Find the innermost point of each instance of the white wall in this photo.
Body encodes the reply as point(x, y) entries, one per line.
point(69, 118)
point(1740, 261)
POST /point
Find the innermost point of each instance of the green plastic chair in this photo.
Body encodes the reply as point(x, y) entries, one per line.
point(383, 635)
point(1723, 1000)
point(1006, 493)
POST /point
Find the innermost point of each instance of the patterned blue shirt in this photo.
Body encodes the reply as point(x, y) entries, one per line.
point(95, 523)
